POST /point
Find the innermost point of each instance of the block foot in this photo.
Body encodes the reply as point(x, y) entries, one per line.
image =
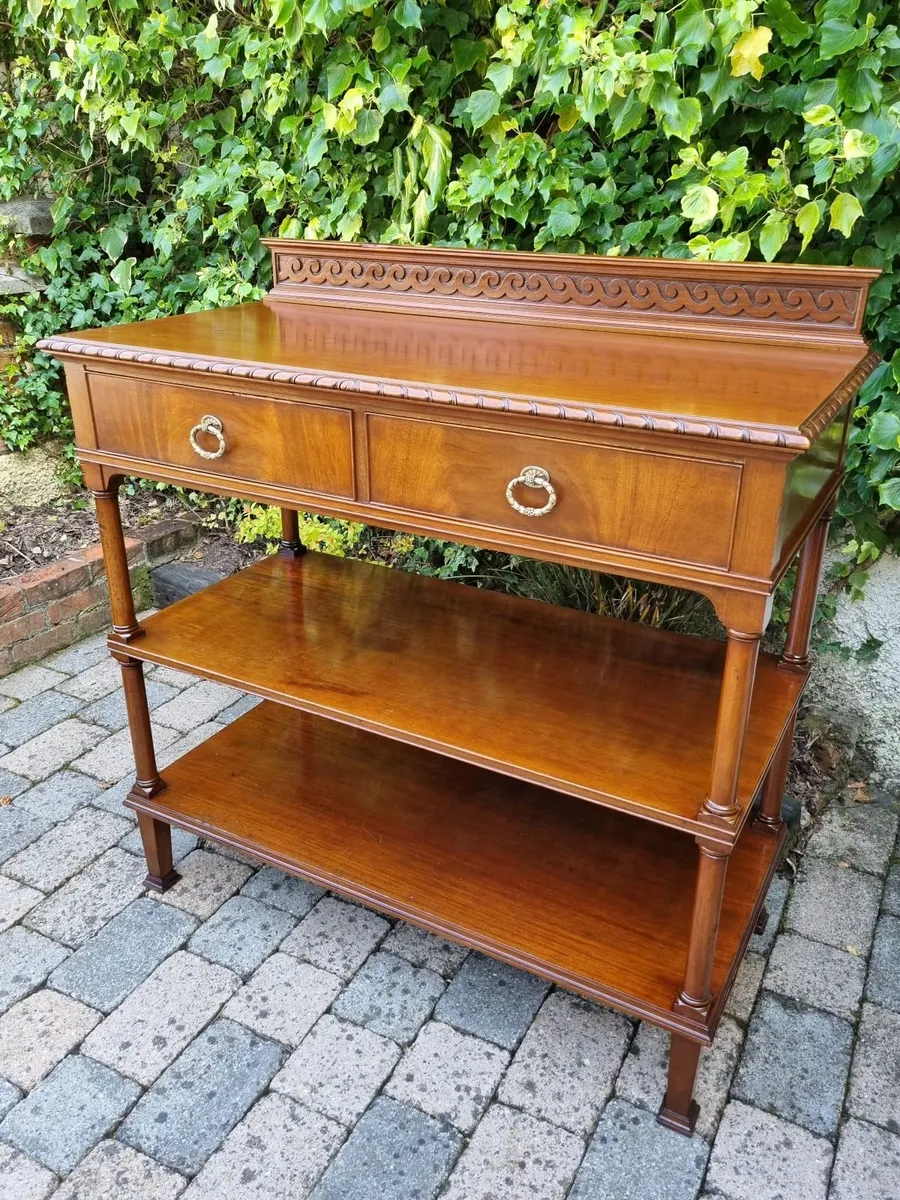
point(762, 920)
point(678, 1121)
point(157, 883)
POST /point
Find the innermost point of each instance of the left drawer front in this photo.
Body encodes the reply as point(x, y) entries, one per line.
point(305, 446)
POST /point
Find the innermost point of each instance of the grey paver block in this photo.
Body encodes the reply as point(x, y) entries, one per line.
point(757, 1156)
point(642, 1080)
point(424, 949)
point(74, 913)
point(38, 1032)
point(867, 1165)
point(30, 681)
point(80, 656)
point(859, 834)
point(6, 703)
point(390, 996)
point(795, 1063)
point(46, 753)
point(241, 934)
point(32, 717)
point(835, 905)
point(59, 796)
point(123, 954)
point(449, 1075)
point(188, 741)
point(337, 1069)
point(883, 984)
point(154, 1024)
point(746, 987)
point(112, 799)
point(395, 1151)
point(201, 1096)
point(277, 1152)
point(816, 974)
point(21, 1178)
point(492, 1000)
point(26, 959)
point(67, 1114)
point(15, 900)
point(565, 1068)
point(238, 709)
point(514, 1156)
point(337, 936)
point(115, 1172)
point(94, 681)
point(875, 1075)
point(286, 892)
point(17, 828)
point(175, 679)
point(761, 943)
point(207, 881)
point(65, 849)
point(9, 1096)
point(890, 901)
point(196, 705)
point(631, 1155)
point(182, 844)
point(111, 712)
point(11, 785)
point(113, 758)
point(284, 999)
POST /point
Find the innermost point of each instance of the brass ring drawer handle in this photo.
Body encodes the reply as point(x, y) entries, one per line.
point(533, 477)
point(212, 426)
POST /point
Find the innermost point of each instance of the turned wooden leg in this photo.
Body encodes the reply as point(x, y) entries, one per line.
point(115, 562)
point(695, 994)
point(679, 1109)
point(769, 813)
point(731, 722)
point(291, 546)
point(157, 838)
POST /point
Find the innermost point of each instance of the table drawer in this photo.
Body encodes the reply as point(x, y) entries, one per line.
point(306, 446)
point(664, 505)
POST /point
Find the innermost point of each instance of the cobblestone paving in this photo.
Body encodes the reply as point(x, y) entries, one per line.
point(247, 1036)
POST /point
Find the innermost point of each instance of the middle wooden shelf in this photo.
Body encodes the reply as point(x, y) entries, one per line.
point(608, 711)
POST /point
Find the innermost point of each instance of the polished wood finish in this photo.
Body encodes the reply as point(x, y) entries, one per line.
point(424, 662)
point(579, 893)
point(290, 545)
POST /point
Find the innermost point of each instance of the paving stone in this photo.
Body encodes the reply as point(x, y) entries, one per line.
point(182, 745)
point(631, 1157)
point(757, 1156)
point(46, 753)
point(79, 657)
point(29, 681)
point(6, 703)
point(196, 704)
point(17, 828)
point(277, 1152)
point(238, 709)
point(113, 758)
point(59, 796)
point(112, 799)
point(241, 934)
point(514, 1156)
point(284, 999)
point(875, 1075)
point(21, 1178)
point(642, 1080)
point(201, 1096)
point(565, 1068)
point(65, 849)
point(286, 892)
point(449, 1075)
point(883, 985)
point(10, 785)
point(115, 1172)
point(795, 1063)
point(38, 1032)
point(761, 943)
point(394, 1153)
point(890, 901)
point(182, 845)
point(207, 881)
point(15, 900)
point(82, 906)
point(861, 835)
point(423, 949)
point(26, 959)
point(818, 975)
point(835, 905)
point(492, 1000)
point(94, 681)
point(337, 1069)
point(111, 711)
point(34, 716)
point(69, 1112)
point(390, 996)
point(867, 1166)
point(337, 936)
point(746, 987)
point(153, 1025)
point(173, 678)
point(123, 954)
point(9, 1096)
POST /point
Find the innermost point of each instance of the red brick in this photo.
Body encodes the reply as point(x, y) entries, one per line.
point(57, 579)
point(22, 627)
point(12, 602)
point(35, 648)
point(70, 606)
point(93, 556)
point(94, 620)
point(166, 538)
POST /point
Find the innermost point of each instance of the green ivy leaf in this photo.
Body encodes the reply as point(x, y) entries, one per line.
point(700, 205)
point(858, 144)
point(790, 28)
point(408, 14)
point(381, 38)
point(884, 432)
point(500, 74)
point(682, 119)
point(436, 149)
point(808, 220)
point(845, 212)
point(563, 219)
point(889, 494)
point(368, 126)
point(774, 234)
point(626, 113)
point(837, 37)
point(121, 274)
point(112, 240)
point(481, 106)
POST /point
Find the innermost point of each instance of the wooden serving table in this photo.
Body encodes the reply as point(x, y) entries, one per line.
point(595, 801)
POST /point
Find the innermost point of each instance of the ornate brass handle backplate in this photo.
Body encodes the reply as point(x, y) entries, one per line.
point(212, 426)
point(533, 477)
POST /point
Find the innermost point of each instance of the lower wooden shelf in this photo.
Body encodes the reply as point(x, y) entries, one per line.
point(583, 895)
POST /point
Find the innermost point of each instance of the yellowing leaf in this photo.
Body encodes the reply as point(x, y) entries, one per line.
point(746, 51)
point(845, 212)
point(567, 118)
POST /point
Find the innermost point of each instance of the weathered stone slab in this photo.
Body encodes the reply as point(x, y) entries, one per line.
point(241, 934)
point(196, 705)
point(59, 796)
point(23, 1178)
point(16, 899)
point(207, 880)
point(66, 849)
point(38, 1032)
point(835, 905)
point(424, 949)
point(113, 758)
point(816, 974)
point(883, 984)
point(46, 753)
point(115, 1172)
point(336, 936)
point(757, 1156)
point(390, 996)
point(286, 892)
point(26, 959)
point(17, 828)
point(81, 907)
point(861, 835)
point(746, 987)
point(34, 716)
point(492, 1000)
point(867, 1165)
point(875, 1076)
point(284, 999)
point(111, 712)
point(30, 681)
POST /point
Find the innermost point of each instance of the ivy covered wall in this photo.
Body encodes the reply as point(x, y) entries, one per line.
point(173, 134)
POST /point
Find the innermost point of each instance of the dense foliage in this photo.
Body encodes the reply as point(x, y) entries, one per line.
point(173, 134)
